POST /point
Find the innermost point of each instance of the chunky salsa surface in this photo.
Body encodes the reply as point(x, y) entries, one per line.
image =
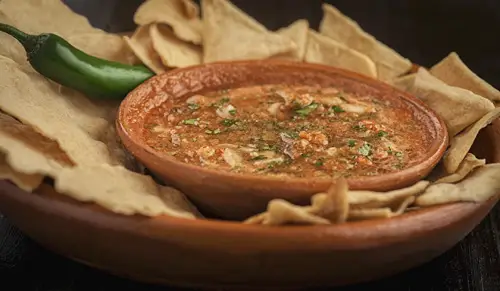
point(298, 131)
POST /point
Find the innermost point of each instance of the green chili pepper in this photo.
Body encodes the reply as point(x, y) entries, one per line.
point(56, 59)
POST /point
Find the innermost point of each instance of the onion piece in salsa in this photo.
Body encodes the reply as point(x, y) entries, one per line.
point(298, 131)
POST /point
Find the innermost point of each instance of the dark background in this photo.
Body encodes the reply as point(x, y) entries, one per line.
point(422, 30)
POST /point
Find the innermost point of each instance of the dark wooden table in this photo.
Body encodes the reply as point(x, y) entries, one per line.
point(424, 31)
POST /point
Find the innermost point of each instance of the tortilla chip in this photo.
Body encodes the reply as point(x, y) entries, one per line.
point(468, 165)
point(35, 16)
point(482, 184)
point(454, 72)
point(386, 212)
point(297, 32)
point(324, 50)
point(346, 31)
point(282, 212)
point(461, 144)
point(122, 191)
point(458, 107)
point(113, 187)
point(172, 51)
point(371, 199)
point(181, 15)
point(230, 34)
point(103, 45)
point(74, 123)
point(24, 181)
point(142, 46)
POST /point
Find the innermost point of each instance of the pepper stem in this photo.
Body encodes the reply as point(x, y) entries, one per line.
point(28, 41)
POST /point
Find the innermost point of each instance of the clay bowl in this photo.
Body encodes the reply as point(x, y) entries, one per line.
point(219, 255)
point(238, 196)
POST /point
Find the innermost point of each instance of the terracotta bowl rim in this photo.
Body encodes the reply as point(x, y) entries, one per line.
point(363, 234)
point(433, 156)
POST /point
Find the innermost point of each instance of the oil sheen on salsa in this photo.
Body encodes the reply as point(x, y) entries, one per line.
point(298, 131)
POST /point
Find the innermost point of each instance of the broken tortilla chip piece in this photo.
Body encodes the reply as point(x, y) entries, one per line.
point(345, 30)
point(230, 34)
point(122, 191)
point(479, 186)
point(334, 204)
point(26, 182)
point(142, 46)
point(172, 51)
point(297, 32)
point(181, 15)
point(324, 50)
point(458, 107)
point(462, 143)
point(370, 199)
point(280, 212)
point(385, 212)
point(466, 166)
point(454, 72)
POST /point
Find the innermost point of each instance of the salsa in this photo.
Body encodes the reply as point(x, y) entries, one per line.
point(298, 131)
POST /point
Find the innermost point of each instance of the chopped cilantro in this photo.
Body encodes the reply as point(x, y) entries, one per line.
point(382, 133)
point(319, 162)
point(305, 155)
point(232, 111)
point(306, 110)
point(220, 102)
point(351, 143)
point(258, 158)
point(190, 121)
point(337, 109)
point(228, 122)
point(150, 125)
point(365, 149)
point(398, 154)
point(193, 106)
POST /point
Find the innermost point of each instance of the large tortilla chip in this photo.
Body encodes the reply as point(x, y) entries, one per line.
point(103, 45)
point(122, 191)
point(24, 181)
point(230, 34)
point(74, 123)
point(172, 51)
point(39, 16)
point(454, 72)
point(142, 46)
point(479, 186)
point(371, 199)
point(280, 212)
point(297, 32)
point(27, 152)
point(324, 50)
point(458, 107)
point(461, 144)
point(181, 15)
point(466, 166)
point(344, 30)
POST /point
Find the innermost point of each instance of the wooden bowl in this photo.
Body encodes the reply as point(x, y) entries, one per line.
point(238, 196)
point(212, 254)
